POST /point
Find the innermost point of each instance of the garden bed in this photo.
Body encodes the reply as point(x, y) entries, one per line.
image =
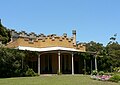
point(101, 77)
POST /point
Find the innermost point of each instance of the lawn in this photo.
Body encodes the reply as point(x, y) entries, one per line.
point(54, 80)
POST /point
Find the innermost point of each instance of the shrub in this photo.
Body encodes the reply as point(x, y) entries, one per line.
point(117, 69)
point(109, 74)
point(30, 72)
point(115, 78)
point(94, 72)
point(11, 63)
point(101, 73)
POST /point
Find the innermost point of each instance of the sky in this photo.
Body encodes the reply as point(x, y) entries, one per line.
point(94, 20)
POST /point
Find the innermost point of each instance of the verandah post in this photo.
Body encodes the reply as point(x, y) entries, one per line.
point(59, 61)
point(72, 64)
point(38, 64)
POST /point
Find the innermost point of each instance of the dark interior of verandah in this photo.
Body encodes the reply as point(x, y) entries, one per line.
point(49, 64)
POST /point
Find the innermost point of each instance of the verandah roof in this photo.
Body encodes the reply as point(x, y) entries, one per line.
point(48, 49)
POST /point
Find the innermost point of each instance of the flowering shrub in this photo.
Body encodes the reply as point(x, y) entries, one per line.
point(103, 77)
point(100, 76)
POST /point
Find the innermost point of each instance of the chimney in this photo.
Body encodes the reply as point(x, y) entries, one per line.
point(74, 36)
point(12, 32)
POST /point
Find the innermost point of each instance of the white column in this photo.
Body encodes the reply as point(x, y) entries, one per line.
point(59, 61)
point(72, 64)
point(39, 64)
point(95, 62)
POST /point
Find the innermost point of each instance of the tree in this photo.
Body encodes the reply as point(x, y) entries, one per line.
point(4, 34)
point(114, 53)
point(92, 49)
point(112, 39)
point(101, 53)
point(11, 62)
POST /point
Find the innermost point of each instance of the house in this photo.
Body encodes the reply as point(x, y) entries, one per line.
point(56, 53)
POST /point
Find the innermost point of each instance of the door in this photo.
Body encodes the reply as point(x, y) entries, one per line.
point(48, 64)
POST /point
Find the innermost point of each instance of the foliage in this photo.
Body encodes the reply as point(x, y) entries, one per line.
point(94, 47)
point(115, 78)
point(108, 57)
point(30, 72)
point(94, 72)
point(111, 74)
point(116, 69)
point(114, 54)
point(101, 73)
point(4, 34)
point(11, 63)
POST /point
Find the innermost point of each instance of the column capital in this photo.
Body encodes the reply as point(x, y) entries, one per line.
point(39, 55)
point(59, 53)
point(72, 53)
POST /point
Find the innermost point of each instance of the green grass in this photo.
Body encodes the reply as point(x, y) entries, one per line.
point(54, 80)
